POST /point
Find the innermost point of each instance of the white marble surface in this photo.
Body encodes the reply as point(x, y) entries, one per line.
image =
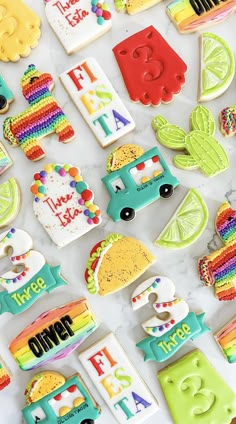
point(114, 312)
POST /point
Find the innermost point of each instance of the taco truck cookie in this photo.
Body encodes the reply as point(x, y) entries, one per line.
point(53, 399)
point(135, 179)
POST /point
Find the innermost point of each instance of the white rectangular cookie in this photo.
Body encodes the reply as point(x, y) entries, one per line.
point(118, 381)
point(97, 101)
point(76, 23)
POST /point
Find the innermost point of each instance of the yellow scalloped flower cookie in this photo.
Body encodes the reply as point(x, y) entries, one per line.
point(19, 30)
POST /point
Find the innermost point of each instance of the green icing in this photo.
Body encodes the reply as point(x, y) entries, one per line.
point(202, 119)
point(9, 201)
point(187, 224)
point(196, 393)
point(91, 284)
point(4, 90)
point(218, 66)
point(203, 150)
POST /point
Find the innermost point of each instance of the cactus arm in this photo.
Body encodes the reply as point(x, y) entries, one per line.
point(171, 136)
point(201, 119)
point(158, 122)
point(204, 270)
point(208, 153)
point(185, 162)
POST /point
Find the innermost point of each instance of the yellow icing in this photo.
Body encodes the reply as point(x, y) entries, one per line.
point(19, 30)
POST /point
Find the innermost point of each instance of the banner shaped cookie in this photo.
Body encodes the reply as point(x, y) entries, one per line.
point(6, 96)
point(5, 375)
point(10, 201)
point(97, 101)
point(201, 148)
point(151, 69)
point(22, 289)
point(170, 333)
point(118, 382)
point(43, 117)
point(115, 263)
point(192, 15)
point(53, 335)
point(195, 392)
point(135, 179)
point(53, 399)
point(78, 22)
point(63, 203)
point(20, 30)
point(226, 339)
point(219, 267)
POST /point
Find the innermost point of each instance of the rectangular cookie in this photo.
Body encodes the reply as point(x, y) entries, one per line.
point(97, 101)
point(118, 382)
point(226, 339)
point(195, 392)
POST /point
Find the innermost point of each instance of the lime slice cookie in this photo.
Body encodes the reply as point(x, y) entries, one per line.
point(217, 67)
point(187, 224)
point(9, 201)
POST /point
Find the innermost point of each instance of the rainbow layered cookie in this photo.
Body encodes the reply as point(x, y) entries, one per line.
point(192, 15)
point(53, 335)
point(226, 339)
point(5, 376)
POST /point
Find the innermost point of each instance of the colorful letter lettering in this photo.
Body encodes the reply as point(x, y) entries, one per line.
point(118, 382)
point(97, 101)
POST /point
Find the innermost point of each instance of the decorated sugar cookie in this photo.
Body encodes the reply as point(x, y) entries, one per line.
point(6, 96)
point(134, 6)
point(194, 390)
point(118, 382)
point(78, 22)
point(152, 71)
point(227, 120)
point(5, 375)
point(63, 203)
point(135, 179)
point(115, 263)
point(5, 160)
point(26, 129)
point(217, 67)
point(22, 289)
point(226, 339)
point(219, 268)
point(203, 150)
point(20, 30)
point(187, 223)
point(169, 333)
point(53, 335)
point(97, 101)
point(193, 15)
point(10, 200)
point(53, 399)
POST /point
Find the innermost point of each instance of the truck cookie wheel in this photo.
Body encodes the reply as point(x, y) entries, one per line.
point(166, 190)
point(3, 102)
point(87, 422)
point(127, 214)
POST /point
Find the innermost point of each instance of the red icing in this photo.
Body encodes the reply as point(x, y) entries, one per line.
point(151, 69)
point(58, 397)
point(72, 389)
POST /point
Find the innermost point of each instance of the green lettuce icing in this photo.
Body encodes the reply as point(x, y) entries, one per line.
point(91, 284)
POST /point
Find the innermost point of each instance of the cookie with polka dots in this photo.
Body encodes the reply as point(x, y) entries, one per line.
point(63, 203)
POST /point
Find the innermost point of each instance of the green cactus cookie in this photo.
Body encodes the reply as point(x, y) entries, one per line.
point(202, 149)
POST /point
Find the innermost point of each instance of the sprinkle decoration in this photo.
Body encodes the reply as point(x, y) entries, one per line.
point(101, 10)
point(92, 212)
point(149, 289)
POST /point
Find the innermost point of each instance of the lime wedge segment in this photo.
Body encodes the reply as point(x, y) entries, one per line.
point(9, 201)
point(217, 67)
point(187, 224)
